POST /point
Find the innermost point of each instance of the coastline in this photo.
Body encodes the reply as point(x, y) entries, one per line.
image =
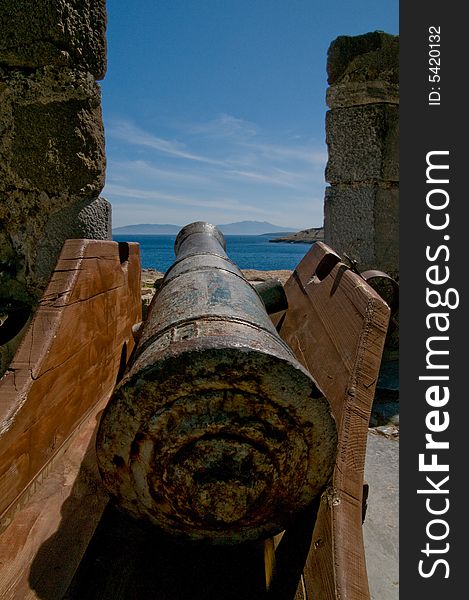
point(306, 236)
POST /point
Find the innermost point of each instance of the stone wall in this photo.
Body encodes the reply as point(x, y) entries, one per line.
point(52, 160)
point(361, 209)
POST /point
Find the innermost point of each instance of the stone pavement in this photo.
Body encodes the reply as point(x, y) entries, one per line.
point(381, 526)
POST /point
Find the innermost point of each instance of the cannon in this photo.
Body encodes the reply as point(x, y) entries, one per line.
point(216, 432)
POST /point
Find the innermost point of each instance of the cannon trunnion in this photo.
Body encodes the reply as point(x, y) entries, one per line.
point(216, 432)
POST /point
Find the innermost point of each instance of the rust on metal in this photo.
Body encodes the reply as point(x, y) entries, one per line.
point(216, 432)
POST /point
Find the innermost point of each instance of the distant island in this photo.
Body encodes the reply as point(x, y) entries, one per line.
point(240, 228)
point(306, 236)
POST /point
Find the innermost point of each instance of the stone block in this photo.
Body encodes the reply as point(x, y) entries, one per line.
point(88, 219)
point(22, 220)
point(37, 33)
point(56, 147)
point(363, 144)
point(12, 284)
point(371, 56)
point(363, 222)
point(93, 220)
point(34, 228)
point(358, 93)
point(52, 133)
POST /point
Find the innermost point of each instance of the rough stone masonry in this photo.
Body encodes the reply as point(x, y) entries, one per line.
point(52, 160)
point(361, 207)
point(362, 133)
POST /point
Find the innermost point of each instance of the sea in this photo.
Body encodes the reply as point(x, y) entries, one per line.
point(247, 251)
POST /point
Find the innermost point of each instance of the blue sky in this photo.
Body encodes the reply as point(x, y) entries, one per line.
point(214, 110)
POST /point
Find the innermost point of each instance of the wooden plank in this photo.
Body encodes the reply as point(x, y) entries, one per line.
point(65, 367)
point(336, 324)
point(45, 541)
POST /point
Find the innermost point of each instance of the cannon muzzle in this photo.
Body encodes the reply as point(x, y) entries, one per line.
point(216, 432)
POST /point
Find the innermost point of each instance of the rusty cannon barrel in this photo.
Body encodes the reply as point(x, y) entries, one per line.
point(216, 432)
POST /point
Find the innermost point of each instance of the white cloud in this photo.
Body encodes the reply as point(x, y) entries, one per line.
point(127, 132)
point(307, 154)
point(122, 170)
point(225, 166)
point(284, 179)
point(158, 197)
point(225, 126)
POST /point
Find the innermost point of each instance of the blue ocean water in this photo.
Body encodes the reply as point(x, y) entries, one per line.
point(247, 251)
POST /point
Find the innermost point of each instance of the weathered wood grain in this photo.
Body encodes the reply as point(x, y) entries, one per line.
point(62, 373)
point(336, 324)
point(45, 541)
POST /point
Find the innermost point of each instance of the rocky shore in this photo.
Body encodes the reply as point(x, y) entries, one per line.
point(306, 236)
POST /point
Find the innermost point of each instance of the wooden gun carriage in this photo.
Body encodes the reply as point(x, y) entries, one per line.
point(60, 534)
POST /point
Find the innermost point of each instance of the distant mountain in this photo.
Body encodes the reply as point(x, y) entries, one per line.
point(241, 228)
